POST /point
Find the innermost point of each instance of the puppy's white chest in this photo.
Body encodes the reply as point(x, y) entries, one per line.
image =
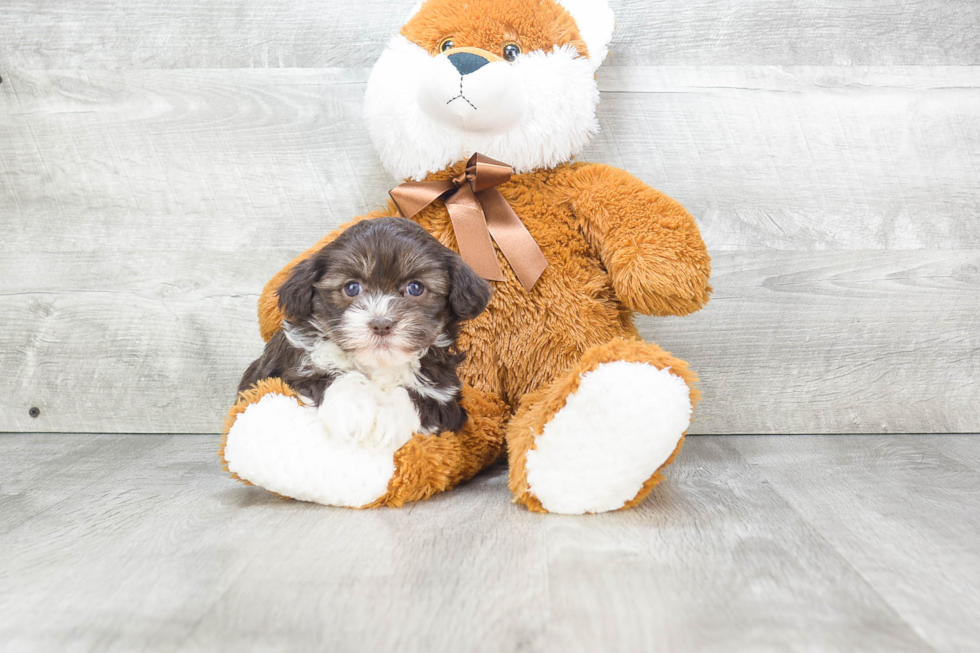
point(389, 378)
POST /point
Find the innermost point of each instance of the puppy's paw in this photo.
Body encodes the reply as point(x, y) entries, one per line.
point(350, 407)
point(396, 421)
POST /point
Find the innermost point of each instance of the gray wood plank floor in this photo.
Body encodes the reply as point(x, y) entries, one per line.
point(761, 543)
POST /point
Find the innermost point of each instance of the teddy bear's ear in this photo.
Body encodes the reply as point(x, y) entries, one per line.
point(595, 21)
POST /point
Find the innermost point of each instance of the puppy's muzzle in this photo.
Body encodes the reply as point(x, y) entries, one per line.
point(381, 326)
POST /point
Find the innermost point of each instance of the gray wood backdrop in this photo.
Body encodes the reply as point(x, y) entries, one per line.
point(159, 161)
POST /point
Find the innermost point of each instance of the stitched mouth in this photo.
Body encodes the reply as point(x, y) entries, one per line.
point(461, 96)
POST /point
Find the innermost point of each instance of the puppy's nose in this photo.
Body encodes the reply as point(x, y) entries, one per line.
point(467, 63)
point(381, 326)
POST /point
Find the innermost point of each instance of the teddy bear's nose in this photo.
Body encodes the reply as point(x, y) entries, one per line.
point(466, 62)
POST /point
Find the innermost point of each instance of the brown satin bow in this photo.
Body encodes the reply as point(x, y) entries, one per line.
point(478, 211)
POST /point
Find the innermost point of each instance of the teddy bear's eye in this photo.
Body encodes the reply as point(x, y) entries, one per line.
point(511, 50)
point(447, 44)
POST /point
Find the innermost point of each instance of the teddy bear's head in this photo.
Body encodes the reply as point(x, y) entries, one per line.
point(512, 79)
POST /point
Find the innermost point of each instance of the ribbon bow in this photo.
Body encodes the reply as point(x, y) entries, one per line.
point(478, 211)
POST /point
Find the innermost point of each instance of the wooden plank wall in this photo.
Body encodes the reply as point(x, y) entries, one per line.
point(158, 162)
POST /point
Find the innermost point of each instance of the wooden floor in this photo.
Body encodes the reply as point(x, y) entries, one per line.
point(762, 543)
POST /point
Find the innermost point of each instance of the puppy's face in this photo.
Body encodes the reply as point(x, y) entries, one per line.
point(383, 292)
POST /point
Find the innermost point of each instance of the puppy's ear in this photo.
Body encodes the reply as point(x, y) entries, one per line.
point(296, 292)
point(468, 293)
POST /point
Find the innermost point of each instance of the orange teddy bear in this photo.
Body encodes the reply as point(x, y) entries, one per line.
point(556, 374)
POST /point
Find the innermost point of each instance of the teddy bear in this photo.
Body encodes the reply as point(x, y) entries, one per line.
point(556, 376)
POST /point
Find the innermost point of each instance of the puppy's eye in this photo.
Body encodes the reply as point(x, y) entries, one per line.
point(447, 44)
point(352, 289)
point(415, 289)
point(511, 50)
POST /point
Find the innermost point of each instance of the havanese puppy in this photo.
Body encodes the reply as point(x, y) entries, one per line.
point(370, 332)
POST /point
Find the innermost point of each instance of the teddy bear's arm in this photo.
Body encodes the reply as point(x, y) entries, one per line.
point(650, 245)
point(270, 317)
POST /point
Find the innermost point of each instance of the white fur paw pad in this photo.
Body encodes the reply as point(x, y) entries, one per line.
point(358, 411)
point(282, 446)
point(613, 433)
point(350, 407)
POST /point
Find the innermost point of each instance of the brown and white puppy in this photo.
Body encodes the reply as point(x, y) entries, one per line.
point(370, 336)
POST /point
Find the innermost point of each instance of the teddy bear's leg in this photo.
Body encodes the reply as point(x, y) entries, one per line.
point(273, 441)
point(429, 464)
point(596, 438)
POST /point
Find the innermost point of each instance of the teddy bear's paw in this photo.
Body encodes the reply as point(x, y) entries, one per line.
point(612, 435)
point(281, 445)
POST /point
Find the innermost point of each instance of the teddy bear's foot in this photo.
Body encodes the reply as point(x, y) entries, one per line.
point(596, 439)
point(278, 443)
point(273, 441)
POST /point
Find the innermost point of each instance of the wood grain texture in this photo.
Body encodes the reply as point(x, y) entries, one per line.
point(784, 158)
point(804, 158)
point(912, 537)
point(74, 460)
point(749, 545)
point(182, 161)
point(143, 211)
point(835, 342)
point(961, 449)
point(98, 34)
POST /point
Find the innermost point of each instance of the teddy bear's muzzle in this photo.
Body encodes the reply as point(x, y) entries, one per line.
point(472, 90)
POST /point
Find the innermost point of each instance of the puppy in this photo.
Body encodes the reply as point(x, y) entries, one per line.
point(370, 332)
